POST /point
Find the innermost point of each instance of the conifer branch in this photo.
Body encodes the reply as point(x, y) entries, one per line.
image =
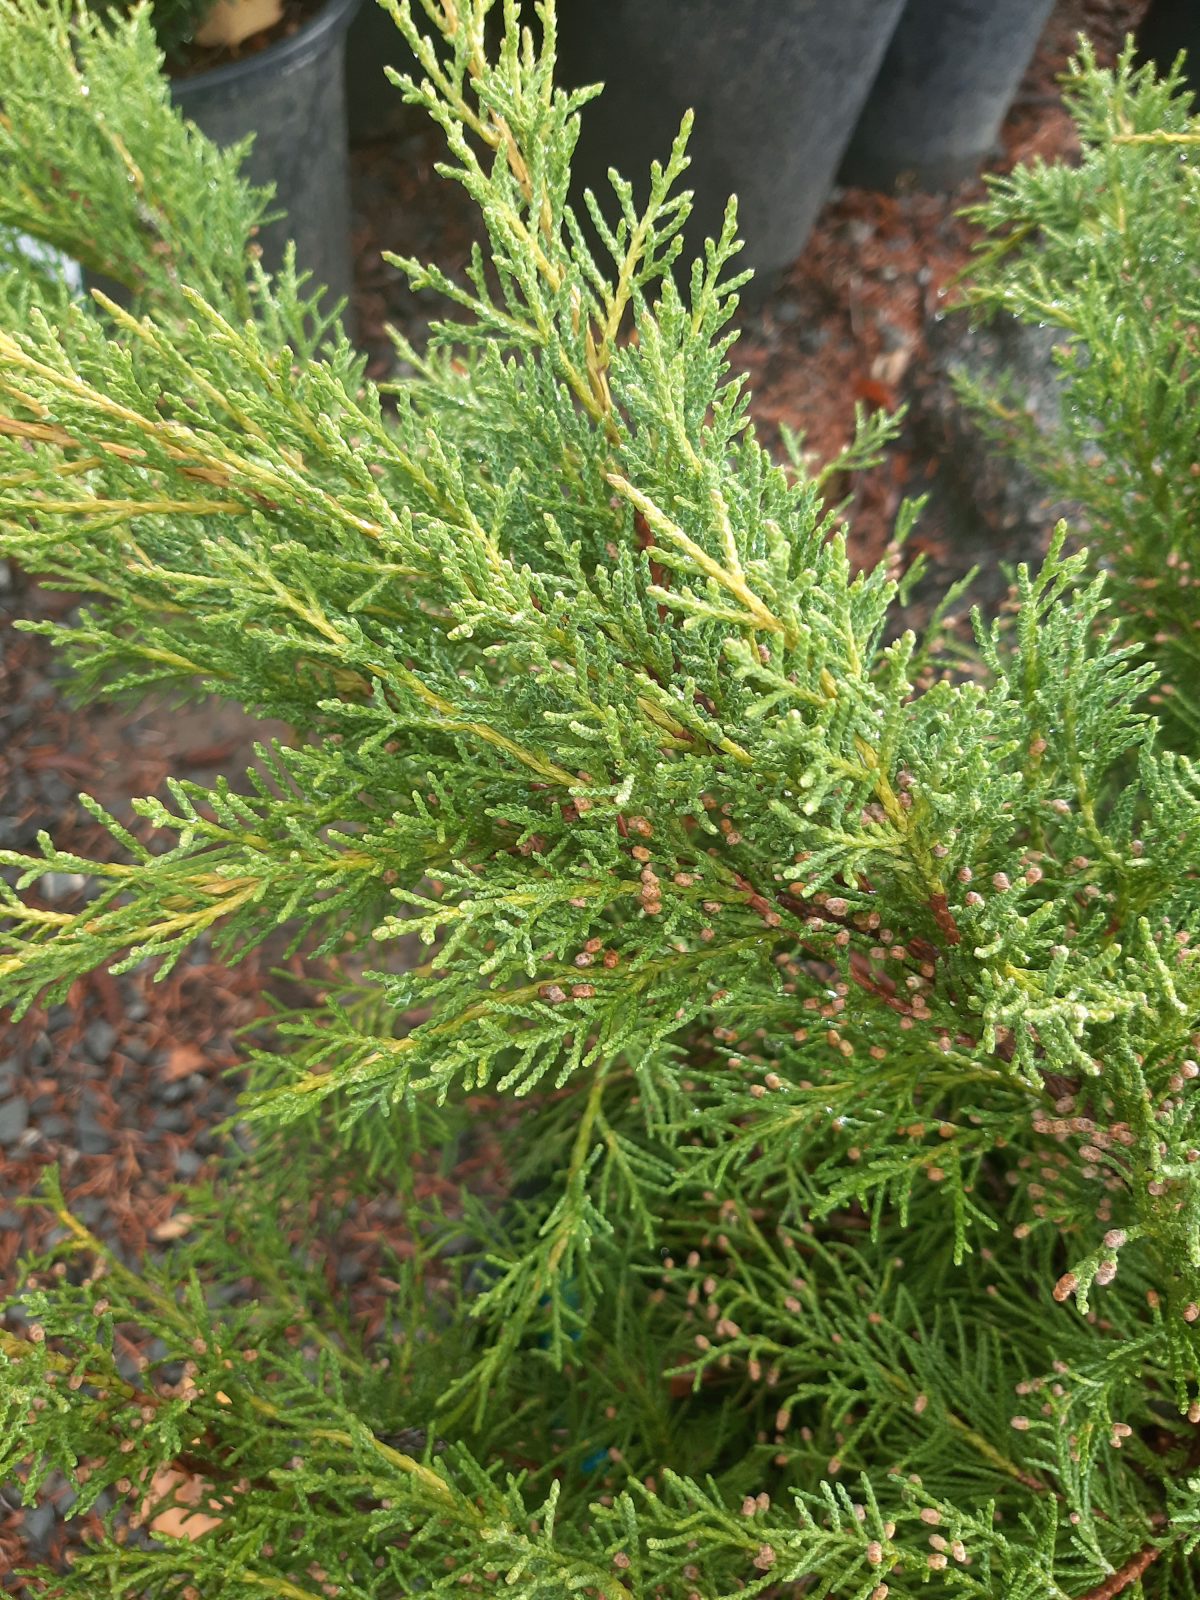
point(831, 1011)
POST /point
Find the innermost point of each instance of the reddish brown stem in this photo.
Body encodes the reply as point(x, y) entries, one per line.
point(1124, 1576)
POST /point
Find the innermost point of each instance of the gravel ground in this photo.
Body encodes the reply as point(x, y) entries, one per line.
point(122, 1085)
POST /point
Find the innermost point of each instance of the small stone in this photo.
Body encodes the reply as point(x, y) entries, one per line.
point(14, 1119)
point(36, 1524)
point(91, 1137)
point(98, 1040)
point(53, 1126)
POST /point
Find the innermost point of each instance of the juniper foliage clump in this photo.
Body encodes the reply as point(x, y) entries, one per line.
point(836, 1012)
point(1105, 255)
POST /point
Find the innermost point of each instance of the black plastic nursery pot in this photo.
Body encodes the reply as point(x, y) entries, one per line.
point(949, 75)
point(776, 86)
point(374, 42)
point(291, 97)
point(1168, 27)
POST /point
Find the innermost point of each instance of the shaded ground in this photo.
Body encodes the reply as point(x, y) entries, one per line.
point(121, 1085)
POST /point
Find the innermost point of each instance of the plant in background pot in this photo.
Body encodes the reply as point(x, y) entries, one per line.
point(274, 72)
point(118, 181)
point(1108, 264)
point(175, 21)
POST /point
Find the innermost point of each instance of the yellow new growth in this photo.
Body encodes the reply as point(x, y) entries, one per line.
point(732, 580)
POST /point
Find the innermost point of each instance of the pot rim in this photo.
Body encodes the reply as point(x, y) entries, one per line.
point(333, 17)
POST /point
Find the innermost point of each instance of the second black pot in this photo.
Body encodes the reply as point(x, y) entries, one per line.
point(947, 79)
point(290, 96)
point(776, 89)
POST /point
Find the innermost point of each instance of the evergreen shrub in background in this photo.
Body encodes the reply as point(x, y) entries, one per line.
point(1105, 255)
point(835, 1010)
